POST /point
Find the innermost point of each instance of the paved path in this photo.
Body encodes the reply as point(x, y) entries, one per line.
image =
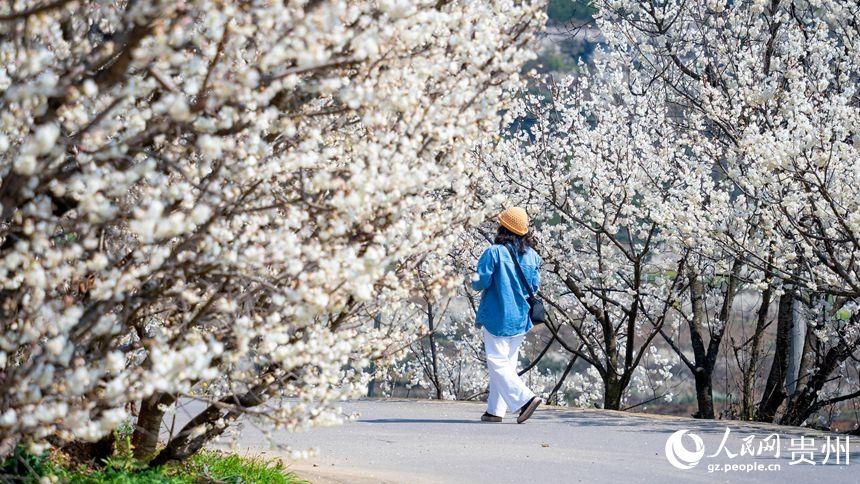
point(419, 441)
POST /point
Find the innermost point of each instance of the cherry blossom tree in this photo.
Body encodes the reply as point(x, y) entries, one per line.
point(776, 86)
point(586, 169)
point(711, 149)
point(228, 193)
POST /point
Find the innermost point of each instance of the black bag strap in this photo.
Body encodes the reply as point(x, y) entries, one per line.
point(520, 271)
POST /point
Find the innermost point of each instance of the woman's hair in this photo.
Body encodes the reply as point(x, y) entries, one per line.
point(519, 242)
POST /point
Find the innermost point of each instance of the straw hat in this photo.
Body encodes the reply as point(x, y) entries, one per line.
point(515, 220)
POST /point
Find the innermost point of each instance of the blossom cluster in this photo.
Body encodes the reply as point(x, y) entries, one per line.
point(228, 192)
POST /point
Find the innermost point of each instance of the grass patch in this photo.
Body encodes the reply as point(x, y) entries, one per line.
point(233, 469)
point(111, 475)
point(207, 466)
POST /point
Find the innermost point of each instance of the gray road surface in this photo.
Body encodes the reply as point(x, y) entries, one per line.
point(418, 441)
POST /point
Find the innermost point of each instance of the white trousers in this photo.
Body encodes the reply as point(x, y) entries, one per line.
point(507, 389)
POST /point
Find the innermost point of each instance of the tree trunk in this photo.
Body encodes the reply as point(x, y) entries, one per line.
point(433, 358)
point(701, 372)
point(704, 394)
point(371, 387)
point(774, 390)
point(716, 334)
point(7, 446)
point(807, 359)
point(214, 421)
point(613, 388)
point(748, 405)
point(796, 342)
point(806, 402)
point(145, 437)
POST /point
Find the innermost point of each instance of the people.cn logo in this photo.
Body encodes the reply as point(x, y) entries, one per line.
point(678, 454)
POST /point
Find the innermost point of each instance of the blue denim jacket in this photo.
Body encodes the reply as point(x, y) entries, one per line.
point(504, 309)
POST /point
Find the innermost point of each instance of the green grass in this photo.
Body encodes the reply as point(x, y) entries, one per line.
point(233, 469)
point(122, 476)
point(207, 466)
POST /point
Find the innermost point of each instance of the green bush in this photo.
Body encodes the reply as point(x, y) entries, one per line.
point(21, 466)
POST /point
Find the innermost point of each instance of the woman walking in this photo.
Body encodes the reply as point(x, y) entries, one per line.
point(504, 314)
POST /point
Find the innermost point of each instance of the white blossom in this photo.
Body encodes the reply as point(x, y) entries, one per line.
point(244, 171)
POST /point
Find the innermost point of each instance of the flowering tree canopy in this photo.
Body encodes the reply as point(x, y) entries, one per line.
point(766, 98)
point(583, 169)
point(224, 192)
point(711, 148)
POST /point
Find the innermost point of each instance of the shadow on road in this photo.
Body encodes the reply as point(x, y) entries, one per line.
point(416, 421)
